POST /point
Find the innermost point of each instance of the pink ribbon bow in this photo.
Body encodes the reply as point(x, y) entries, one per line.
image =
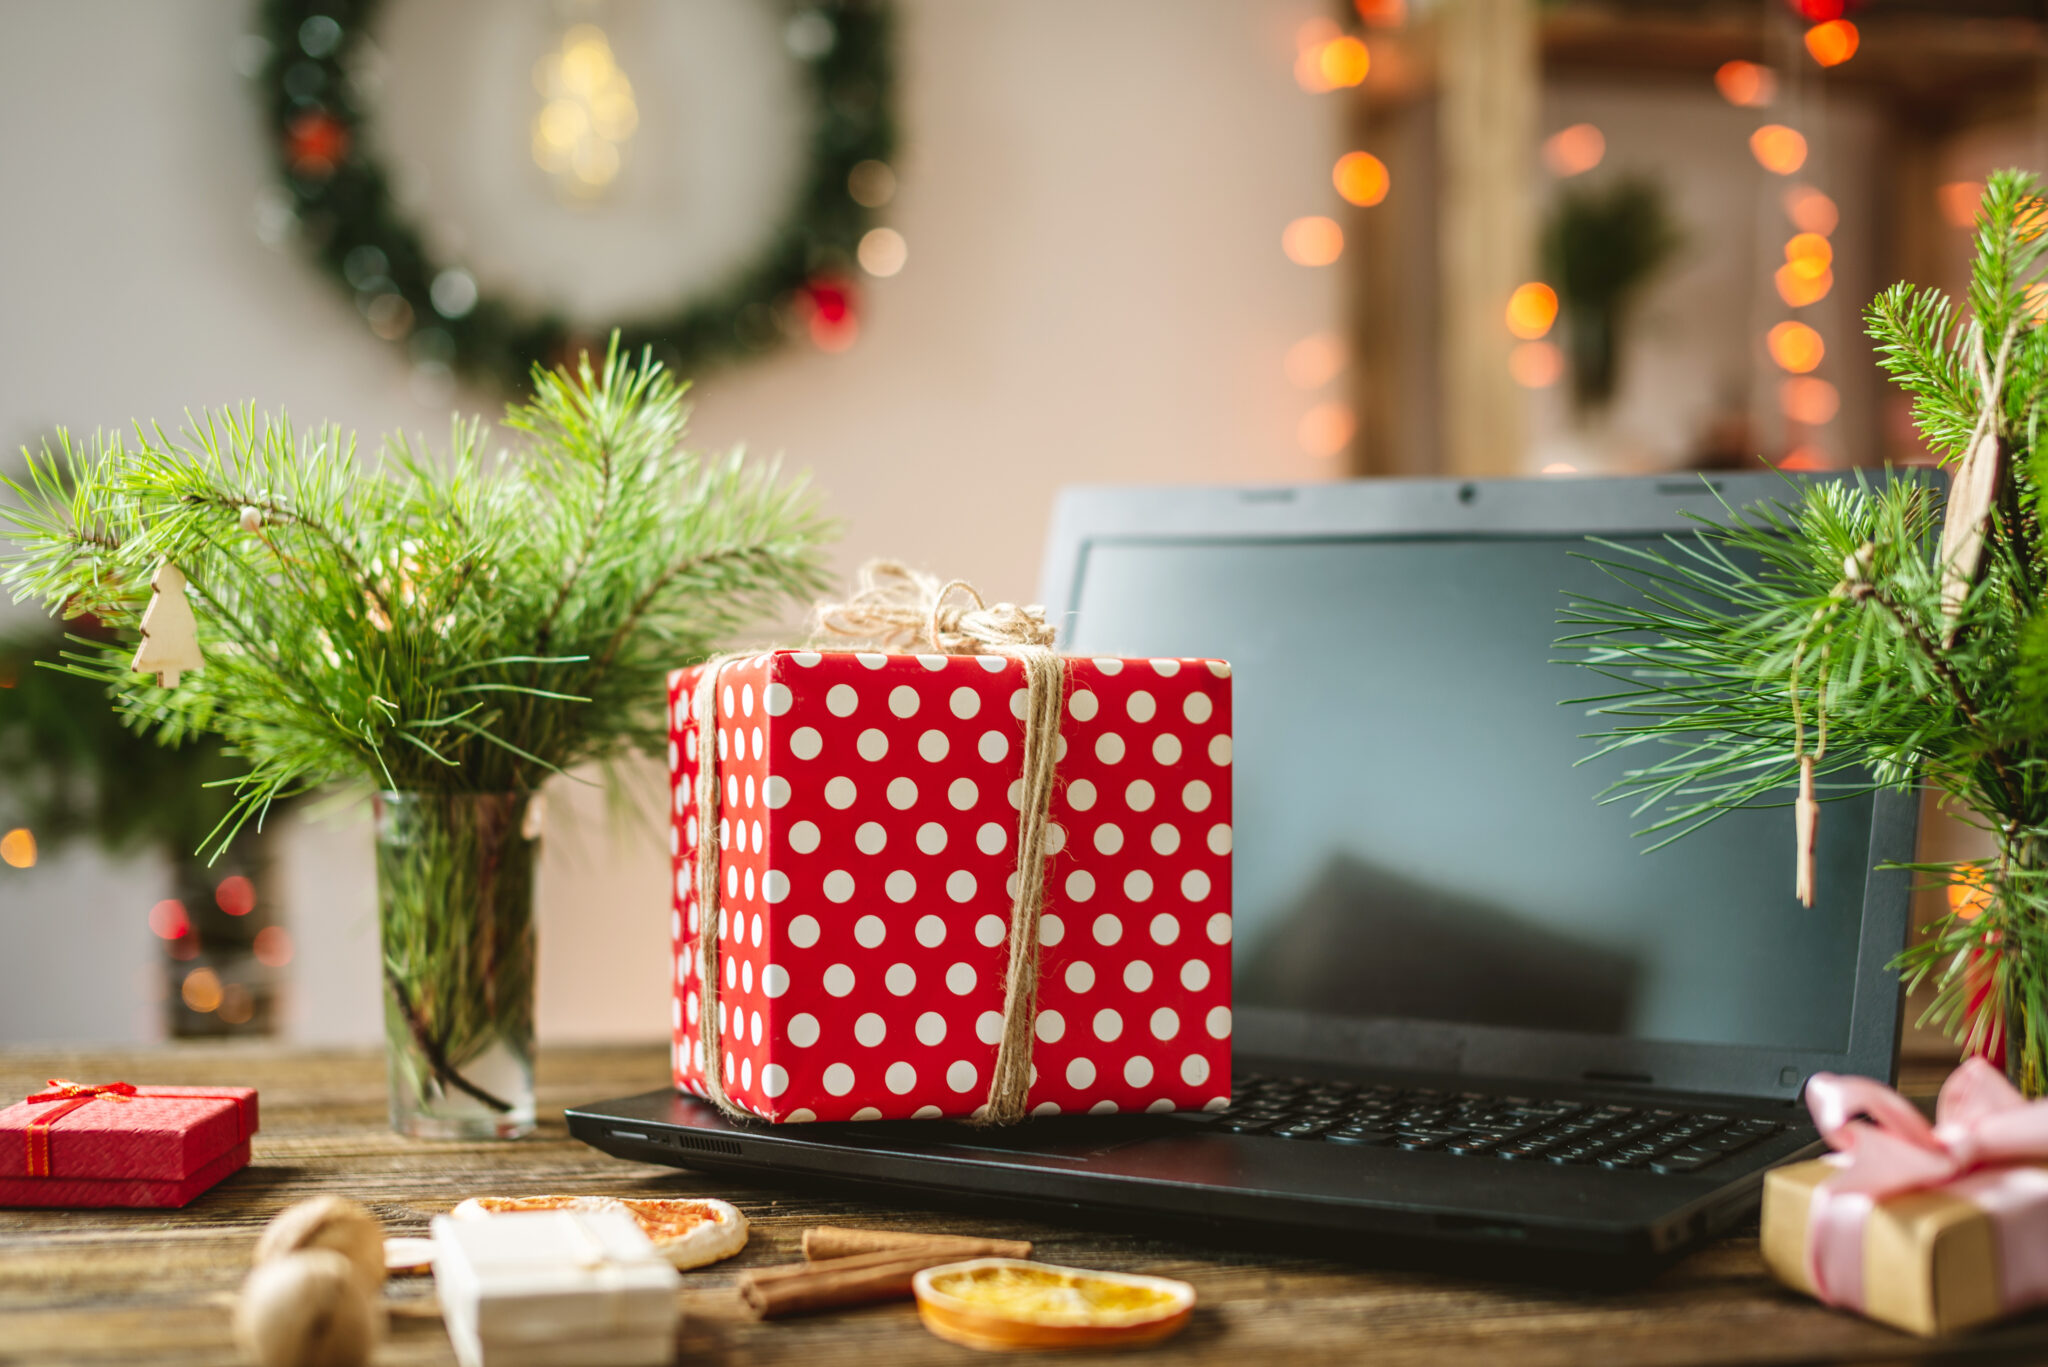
point(1982, 1125)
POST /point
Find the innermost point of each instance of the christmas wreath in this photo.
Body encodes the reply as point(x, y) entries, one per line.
point(342, 208)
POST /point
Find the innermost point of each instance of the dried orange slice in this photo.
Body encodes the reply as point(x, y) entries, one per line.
point(1008, 1303)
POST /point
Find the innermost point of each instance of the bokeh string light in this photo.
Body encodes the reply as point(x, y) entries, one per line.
point(1808, 401)
point(18, 848)
point(1749, 85)
point(201, 990)
point(168, 920)
point(1361, 179)
point(1810, 210)
point(1833, 42)
point(1575, 150)
point(1315, 360)
point(1958, 200)
point(1531, 310)
point(1326, 429)
point(1778, 149)
point(588, 116)
point(1324, 63)
point(1536, 365)
point(1795, 347)
point(273, 947)
point(1313, 240)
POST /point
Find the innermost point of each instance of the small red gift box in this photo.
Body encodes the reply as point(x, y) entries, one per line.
point(868, 829)
point(117, 1145)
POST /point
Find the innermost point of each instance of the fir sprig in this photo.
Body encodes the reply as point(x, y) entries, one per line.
point(472, 622)
point(1725, 650)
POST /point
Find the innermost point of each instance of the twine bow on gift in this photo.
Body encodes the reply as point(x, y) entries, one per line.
point(70, 1096)
point(900, 610)
point(1886, 1148)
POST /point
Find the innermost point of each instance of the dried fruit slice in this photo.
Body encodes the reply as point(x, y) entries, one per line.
point(1008, 1303)
point(406, 1256)
point(689, 1232)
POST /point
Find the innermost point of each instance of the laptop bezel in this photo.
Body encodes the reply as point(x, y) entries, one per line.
point(1088, 516)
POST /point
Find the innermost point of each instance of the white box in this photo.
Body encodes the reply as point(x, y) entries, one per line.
point(541, 1288)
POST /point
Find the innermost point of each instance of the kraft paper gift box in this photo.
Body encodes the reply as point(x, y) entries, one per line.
point(113, 1144)
point(1930, 1229)
point(867, 853)
point(559, 1288)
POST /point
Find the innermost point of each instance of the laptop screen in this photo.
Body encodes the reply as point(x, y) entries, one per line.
point(1412, 837)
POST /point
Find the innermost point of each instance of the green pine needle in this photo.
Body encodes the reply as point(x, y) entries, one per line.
point(474, 623)
point(1832, 595)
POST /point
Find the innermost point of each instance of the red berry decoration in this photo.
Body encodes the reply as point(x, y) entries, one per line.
point(316, 142)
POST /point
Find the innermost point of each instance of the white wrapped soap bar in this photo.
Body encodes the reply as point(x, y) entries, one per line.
point(570, 1287)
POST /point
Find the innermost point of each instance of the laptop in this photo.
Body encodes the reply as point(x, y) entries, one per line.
point(1471, 1005)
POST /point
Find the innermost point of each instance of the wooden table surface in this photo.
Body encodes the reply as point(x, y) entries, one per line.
point(155, 1286)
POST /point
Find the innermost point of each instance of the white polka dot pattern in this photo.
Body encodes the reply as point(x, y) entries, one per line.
point(869, 818)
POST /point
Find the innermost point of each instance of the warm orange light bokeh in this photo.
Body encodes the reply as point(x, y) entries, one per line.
point(1332, 64)
point(1798, 289)
point(1796, 347)
point(1382, 13)
point(273, 947)
point(1361, 178)
point(1809, 254)
point(1968, 896)
point(1832, 43)
point(1958, 201)
point(1778, 148)
point(1806, 458)
point(1536, 365)
point(1315, 360)
point(1810, 210)
point(1326, 429)
point(201, 990)
point(1748, 84)
point(1570, 151)
point(1808, 401)
point(18, 848)
point(1532, 308)
point(1312, 241)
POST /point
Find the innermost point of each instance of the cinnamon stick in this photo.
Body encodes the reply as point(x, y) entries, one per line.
point(836, 1241)
point(794, 1288)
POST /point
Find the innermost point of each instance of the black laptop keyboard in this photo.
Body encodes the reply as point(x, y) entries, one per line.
point(1474, 1124)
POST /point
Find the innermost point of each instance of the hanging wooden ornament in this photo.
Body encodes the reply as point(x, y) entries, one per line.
point(1967, 520)
point(1806, 826)
point(170, 635)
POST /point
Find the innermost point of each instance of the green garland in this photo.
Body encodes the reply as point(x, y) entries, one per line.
point(348, 219)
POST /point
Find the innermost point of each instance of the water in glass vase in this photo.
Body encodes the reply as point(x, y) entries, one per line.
point(455, 915)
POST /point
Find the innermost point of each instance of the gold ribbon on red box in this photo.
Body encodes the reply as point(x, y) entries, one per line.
point(69, 1096)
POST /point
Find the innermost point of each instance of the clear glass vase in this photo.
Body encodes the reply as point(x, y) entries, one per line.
point(455, 916)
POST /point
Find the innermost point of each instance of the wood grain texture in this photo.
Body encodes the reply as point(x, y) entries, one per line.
point(154, 1286)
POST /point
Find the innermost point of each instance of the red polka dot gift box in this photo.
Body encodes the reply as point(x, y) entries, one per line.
point(868, 826)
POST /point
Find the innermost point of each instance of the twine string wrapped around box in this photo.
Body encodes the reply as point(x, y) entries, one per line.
point(898, 609)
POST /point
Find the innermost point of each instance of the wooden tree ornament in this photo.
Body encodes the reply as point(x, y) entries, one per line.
point(170, 635)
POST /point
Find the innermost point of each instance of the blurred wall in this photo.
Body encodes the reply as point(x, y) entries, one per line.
point(1092, 196)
